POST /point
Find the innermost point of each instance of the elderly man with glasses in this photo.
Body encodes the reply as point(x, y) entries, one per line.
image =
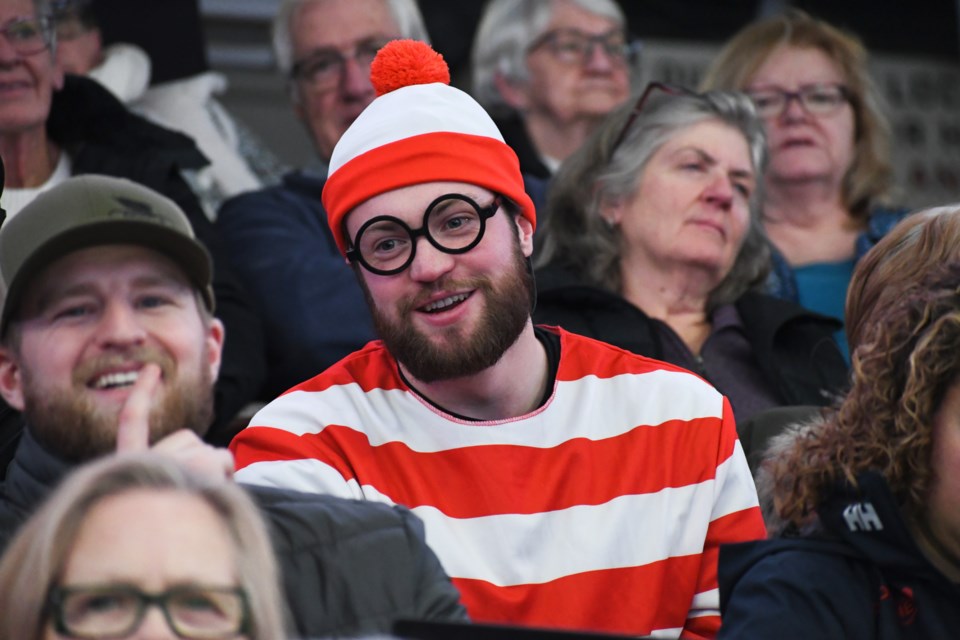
point(563, 482)
point(549, 71)
point(278, 236)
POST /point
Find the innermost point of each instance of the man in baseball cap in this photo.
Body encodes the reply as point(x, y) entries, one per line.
point(108, 343)
point(102, 277)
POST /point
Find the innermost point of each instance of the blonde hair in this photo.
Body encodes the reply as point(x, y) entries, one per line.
point(870, 176)
point(37, 555)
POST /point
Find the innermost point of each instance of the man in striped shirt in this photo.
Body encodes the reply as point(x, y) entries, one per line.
point(563, 482)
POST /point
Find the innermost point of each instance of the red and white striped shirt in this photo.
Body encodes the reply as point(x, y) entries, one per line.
point(603, 509)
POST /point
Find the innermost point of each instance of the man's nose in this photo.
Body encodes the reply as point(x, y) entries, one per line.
point(120, 325)
point(598, 59)
point(429, 263)
point(355, 80)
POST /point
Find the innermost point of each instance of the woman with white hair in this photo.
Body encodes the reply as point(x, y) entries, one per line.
point(549, 71)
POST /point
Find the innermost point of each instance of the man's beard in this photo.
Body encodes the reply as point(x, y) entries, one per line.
point(507, 311)
point(73, 427)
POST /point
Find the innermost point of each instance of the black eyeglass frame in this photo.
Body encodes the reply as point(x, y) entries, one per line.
point(299, 67)
point(353, 254)
point(845, 93)
point(666, 88)
point(46, 28)
point(631, 44)
point(59, 595)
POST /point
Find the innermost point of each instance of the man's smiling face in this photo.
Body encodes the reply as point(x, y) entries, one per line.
point(87, 325)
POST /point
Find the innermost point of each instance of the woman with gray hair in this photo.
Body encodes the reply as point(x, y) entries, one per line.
point(549, 71)
point(137, 546)
point(652, 241)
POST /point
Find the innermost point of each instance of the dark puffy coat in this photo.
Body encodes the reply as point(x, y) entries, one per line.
point(349, 568)
point(794, 347)
point(861, 578)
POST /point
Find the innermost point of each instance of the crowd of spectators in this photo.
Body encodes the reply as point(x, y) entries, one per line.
point(633, 305)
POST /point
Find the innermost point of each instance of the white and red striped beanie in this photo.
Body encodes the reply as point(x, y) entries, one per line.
point(419, 129)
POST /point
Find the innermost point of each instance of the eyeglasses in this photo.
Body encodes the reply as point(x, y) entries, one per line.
point(73, 18)
point(28, 36)
point(573, 46)
point(323, 69)
point(453, 223)
point(116, 611)
point(817, 99)
point(668, 89)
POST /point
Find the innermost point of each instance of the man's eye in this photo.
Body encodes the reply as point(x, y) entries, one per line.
point(386, 245)
point(74, 311)
point(743, 189)
point(368, 50)
point(570, 45)
point(23, 31)
point(151, 302)
point(321, 66)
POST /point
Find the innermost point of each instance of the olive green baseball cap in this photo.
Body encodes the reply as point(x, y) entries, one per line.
point(88, 211)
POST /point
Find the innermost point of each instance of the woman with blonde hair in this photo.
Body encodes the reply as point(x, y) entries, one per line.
point(137, 546)
point(868, 496)
point(830, 176)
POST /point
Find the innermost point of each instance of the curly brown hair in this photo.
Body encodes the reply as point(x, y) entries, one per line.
point(905, 340)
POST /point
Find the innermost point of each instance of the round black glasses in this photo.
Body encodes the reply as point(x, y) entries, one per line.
point(453, 223)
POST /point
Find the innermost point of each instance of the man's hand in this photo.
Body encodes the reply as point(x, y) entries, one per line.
point(185, 446)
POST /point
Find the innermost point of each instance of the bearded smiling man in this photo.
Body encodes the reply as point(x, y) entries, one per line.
point(80, 323)
point(563, 482)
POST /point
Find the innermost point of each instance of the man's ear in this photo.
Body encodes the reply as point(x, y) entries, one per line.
point(216, 333)
point(525, 232)
point(11, 379)
point(513, 92)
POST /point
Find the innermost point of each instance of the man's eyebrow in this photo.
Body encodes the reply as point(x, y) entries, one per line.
point(52, 294)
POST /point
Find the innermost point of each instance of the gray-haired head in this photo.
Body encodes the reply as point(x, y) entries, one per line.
point(507, 30)
point(405, 13)
point(573, 231)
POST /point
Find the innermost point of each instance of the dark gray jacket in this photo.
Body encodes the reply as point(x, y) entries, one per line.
point(349, 568)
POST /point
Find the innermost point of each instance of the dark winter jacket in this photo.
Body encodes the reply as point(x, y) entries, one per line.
point(313, 309)
point(349, 568)
point(514, 133)
point(794, 347)
point(861, 578)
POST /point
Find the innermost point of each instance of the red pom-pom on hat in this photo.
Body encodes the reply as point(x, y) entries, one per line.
point(402, 63)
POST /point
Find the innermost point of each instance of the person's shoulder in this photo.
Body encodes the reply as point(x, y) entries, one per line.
point(301, 517)
point(590, 356)
point(370, 367)
point(298, 190)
